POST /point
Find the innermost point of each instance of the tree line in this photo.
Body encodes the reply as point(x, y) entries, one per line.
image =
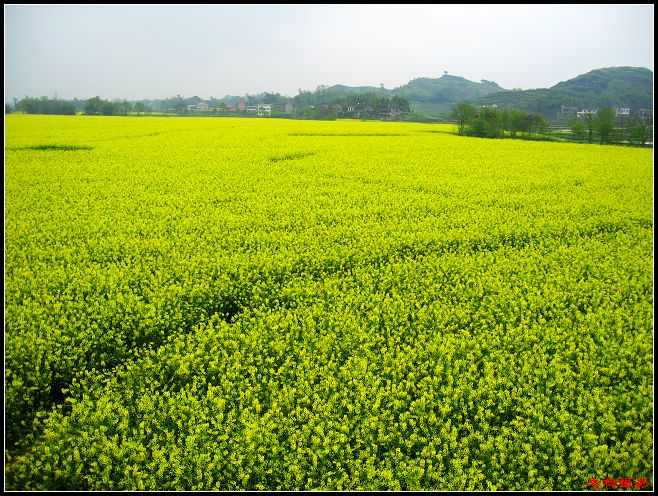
point(491, 122)
point(308, 105)
point(603, 126)
point(91, 106)
point(43, 105)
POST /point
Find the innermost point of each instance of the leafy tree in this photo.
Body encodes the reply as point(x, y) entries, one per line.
point(463, 113)
point(604, 123)
point(490, 122)
point(620, 130)
point(487, 124)
point(400, 103)
point(641, 127)
point(139, 108)
point(303, 99)
point(122, 107)
point(274, 98)
point(588, 121)
point(537, 125)
point(93, 106)
point(577, 129)
point(44, 105)
point(108, 108)
point(515, 122)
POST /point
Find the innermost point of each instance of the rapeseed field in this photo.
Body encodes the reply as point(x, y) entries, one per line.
point(263, 304)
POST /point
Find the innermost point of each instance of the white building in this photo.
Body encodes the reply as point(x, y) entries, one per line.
point(199, 107)
point(584, 112)
point(262, 109)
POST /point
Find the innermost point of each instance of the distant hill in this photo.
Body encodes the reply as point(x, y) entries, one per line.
point(340, 90)
point(630, 87)
point(430, 96)
point(446, 89)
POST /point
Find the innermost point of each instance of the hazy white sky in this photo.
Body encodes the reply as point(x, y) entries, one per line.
point(144, 51)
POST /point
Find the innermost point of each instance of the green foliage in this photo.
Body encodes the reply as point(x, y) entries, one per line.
point(44, 105)
point(635, 129)
point(487, 123)
point(604, 123)
point(577, 129)
point(641, 128)
point(96, 106)
point(463, 114)
point(233, 304)
point(321, 105)
point(490, 122)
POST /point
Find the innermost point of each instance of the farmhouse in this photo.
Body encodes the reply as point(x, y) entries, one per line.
point(199, 107)
point(259, 109)
point(584, 112)
point(390, 115)
point(567, 112)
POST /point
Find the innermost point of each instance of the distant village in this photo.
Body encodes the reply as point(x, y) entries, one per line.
point(260, 110)
point(566, 112)
point(356, 111)
point(571, 112)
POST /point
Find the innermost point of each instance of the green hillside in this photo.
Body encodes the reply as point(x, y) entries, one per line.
point(446, 89)
point(630, 87)
point(340, 90)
